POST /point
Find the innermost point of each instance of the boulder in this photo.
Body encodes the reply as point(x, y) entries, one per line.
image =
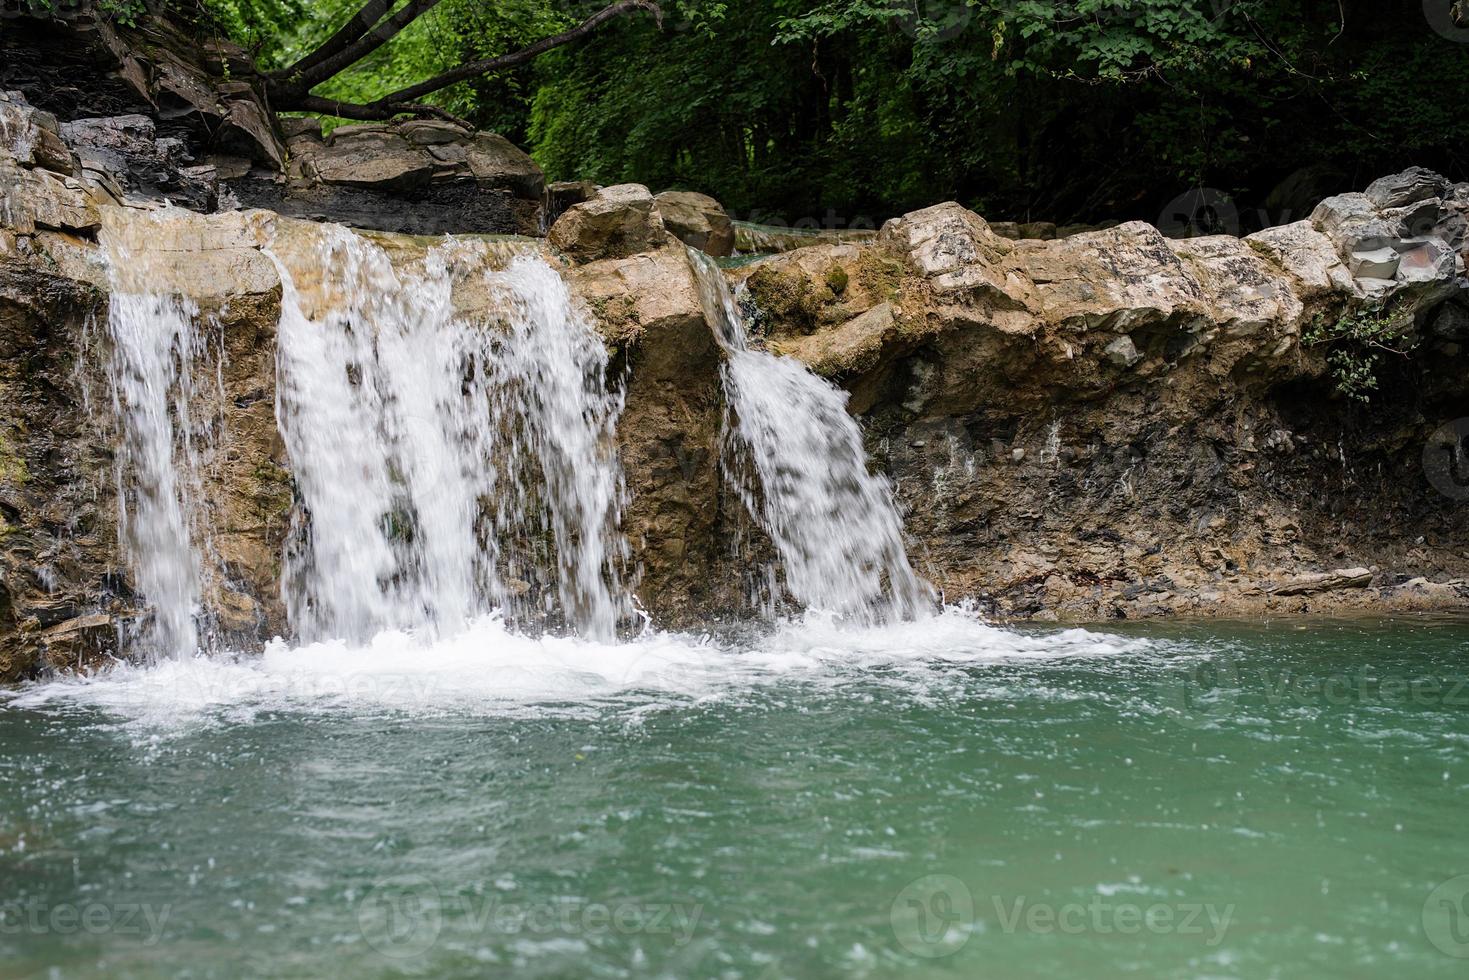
point(617, 222)
point(697, 220)
point(418, 177)
point(1409, 187)
point(376, 157)
point(952, 247)
point(1307, 255)
point(127, 150)
point(31, 136)
point(496, 163)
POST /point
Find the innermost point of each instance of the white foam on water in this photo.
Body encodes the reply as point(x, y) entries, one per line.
point(489, 670)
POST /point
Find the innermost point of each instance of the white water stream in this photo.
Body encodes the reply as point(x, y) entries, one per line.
point(457, 458)
point(833, 522)
point(155, 344)
point(426, 446)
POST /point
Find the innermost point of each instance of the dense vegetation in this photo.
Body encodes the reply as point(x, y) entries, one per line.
point(847, 111)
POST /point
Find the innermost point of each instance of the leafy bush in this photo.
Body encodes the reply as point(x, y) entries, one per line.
point(1357, 338)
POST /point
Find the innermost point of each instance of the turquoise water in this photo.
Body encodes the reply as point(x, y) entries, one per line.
point(944, 800)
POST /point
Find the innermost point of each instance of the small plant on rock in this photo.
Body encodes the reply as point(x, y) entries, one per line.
point(1356, 340)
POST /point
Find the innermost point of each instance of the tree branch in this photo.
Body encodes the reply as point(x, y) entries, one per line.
point(291, 89)
point(357, 25)
point(375, 112)
point(475, 68)
point(329, 64)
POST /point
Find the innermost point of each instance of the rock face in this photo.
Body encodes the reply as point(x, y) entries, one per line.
point(417, 177)
point(157, 115)
point(1109, 425)
point(90, 68)
point(617, 222)
point(1120, 425)
point(697, 220)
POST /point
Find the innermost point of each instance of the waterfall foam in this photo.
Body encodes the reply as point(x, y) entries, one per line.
point(429, 451)
point(795, 456)
point(150, 372)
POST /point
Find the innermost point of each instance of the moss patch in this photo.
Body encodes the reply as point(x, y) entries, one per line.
point(13, 469)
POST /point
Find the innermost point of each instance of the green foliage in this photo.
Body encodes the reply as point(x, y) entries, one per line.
point(118, 11)
point(845, 112)
point(1357, 338)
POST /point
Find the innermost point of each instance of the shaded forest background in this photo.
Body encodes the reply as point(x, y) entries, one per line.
point(845, 112)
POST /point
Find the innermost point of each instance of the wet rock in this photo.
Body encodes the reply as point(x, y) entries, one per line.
point(127, 150)
point(697, 220)
point(32, 136)
point(617, 222)
point(37, 198)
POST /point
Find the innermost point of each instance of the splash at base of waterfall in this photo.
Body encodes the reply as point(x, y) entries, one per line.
point(489, 669)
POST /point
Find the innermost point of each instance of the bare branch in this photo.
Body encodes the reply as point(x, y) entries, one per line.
point(332, 63)
point(476, 68)
point(359, 24)
point(377, 111)
point(291, 89)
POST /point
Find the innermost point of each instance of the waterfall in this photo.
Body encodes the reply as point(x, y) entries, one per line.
point(833, 522)
point(559, 422)
point(154, 343)
point(427, 450)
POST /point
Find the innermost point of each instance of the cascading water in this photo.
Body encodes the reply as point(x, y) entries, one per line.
point(421, 442)
point(154, 344)
point(833, 523)
point(559, 422)
point(385, 440)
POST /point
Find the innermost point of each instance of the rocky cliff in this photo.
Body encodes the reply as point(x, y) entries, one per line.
point(1113, 424)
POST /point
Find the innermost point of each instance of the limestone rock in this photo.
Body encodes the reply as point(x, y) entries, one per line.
point(127, 149)
point(1121, 278)
point(1344, 578)
point(951, 246)
point(1409, 187)
point(1307, 255)
point(697, 220)
point(499, 164)
point(37, 198)
point(853, 348)
point(618, 222)
point(373, 157)
point(412, 177)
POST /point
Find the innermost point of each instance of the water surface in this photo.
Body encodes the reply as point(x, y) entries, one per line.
point(944, 799)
